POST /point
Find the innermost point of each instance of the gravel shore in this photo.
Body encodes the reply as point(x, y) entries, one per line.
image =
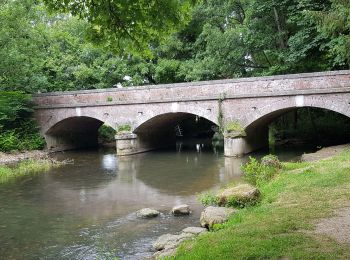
point(16, 157)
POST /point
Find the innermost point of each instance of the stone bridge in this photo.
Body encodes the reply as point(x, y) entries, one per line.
point(70, 120)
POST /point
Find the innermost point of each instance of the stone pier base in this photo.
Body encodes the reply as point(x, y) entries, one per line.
point(130, 143)
point(239, 146)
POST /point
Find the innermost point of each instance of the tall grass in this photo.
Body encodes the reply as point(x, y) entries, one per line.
point(26, 168)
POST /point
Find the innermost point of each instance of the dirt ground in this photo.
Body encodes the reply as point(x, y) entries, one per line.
point(324, 153)
point(10, 158)
point(337, 227)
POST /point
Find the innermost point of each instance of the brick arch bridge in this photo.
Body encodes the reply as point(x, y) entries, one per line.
point(70, 120)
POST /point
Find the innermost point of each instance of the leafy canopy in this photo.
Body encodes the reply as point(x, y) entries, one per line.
point(130, 25)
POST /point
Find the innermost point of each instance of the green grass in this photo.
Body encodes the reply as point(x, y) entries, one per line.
point(8, 173)
point(281, 225)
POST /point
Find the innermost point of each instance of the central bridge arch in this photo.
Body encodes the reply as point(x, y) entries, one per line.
point(157, 132)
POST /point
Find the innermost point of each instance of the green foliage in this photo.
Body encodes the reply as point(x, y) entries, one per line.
point(311, 125)
point(18, 128)
point(290, 204)
point(208, 199)
point(234, 129)
point(26, 168)
point(106, 133)
point(124, 128)
point(271, 160)
point(240, 202)
point(258, 173)
point(128, 25)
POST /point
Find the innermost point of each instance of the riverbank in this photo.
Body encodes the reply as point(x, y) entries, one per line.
point(287, 224)
point(14, 165)
point(26, 167)
point(16, 157)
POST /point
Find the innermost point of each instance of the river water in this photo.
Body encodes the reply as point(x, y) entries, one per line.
point(86, 210)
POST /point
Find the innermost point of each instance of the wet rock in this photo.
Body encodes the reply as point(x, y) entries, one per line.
point(169, 241)
point(195, 230)
point(169, 252)
point(179, 210)
point(164, 240)
point(215, 215)
point(147, 213)
point(240, 195)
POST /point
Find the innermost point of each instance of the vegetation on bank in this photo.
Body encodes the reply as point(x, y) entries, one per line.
point(28, 167)
point(18, 129)
point(56, 46)
point(281, 224)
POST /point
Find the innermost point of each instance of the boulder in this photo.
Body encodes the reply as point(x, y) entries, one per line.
point(183, 209)
point(195, 230)
point(163, 240)
point(240, 195)
point(166, 253)
point(215, 215)
point(169, 241)
point(147, 213)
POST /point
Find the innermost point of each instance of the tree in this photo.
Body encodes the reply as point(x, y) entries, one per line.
point(129, 25)
point(334, 25)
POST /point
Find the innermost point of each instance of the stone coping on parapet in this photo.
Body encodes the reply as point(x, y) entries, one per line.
point(200, 83)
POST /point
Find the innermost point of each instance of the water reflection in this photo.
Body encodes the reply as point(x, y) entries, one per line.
point(70, 212)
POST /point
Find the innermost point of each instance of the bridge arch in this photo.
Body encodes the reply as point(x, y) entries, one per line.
point(256, 123)
point(73, 132)
point(275, 109)
point(162, 130)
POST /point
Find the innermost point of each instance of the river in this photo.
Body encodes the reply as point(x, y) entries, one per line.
point(86, 210)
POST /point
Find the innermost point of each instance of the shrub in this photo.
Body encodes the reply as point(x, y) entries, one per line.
point(124, 128)
point(271, 160)
point(234, 129)
point(257, 173)
point(208, 199)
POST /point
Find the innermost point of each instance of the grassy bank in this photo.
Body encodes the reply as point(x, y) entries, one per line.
point(25, 168)
point(281, 226)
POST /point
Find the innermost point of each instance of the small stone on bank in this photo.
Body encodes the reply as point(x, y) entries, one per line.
point(147, 213)
point(183, 209)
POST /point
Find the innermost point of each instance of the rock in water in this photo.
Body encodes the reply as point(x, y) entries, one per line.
point(179, 210)
point(240, 195)
point(215, 215)
point(147, 213)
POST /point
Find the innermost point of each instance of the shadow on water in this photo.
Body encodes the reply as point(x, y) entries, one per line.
point(87, 209)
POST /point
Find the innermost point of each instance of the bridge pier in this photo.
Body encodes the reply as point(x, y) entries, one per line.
point(256, 139)
point(130, 143)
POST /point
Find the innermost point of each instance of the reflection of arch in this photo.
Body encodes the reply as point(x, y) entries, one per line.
point(271, 111)
point(73, 132)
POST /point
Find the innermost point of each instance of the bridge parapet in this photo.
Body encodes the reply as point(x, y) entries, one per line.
point(295, 84)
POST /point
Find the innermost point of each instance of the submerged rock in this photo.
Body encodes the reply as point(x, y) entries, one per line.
point(147, 213)
point(179, 210)
point(240, 195)
point(215, 215)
